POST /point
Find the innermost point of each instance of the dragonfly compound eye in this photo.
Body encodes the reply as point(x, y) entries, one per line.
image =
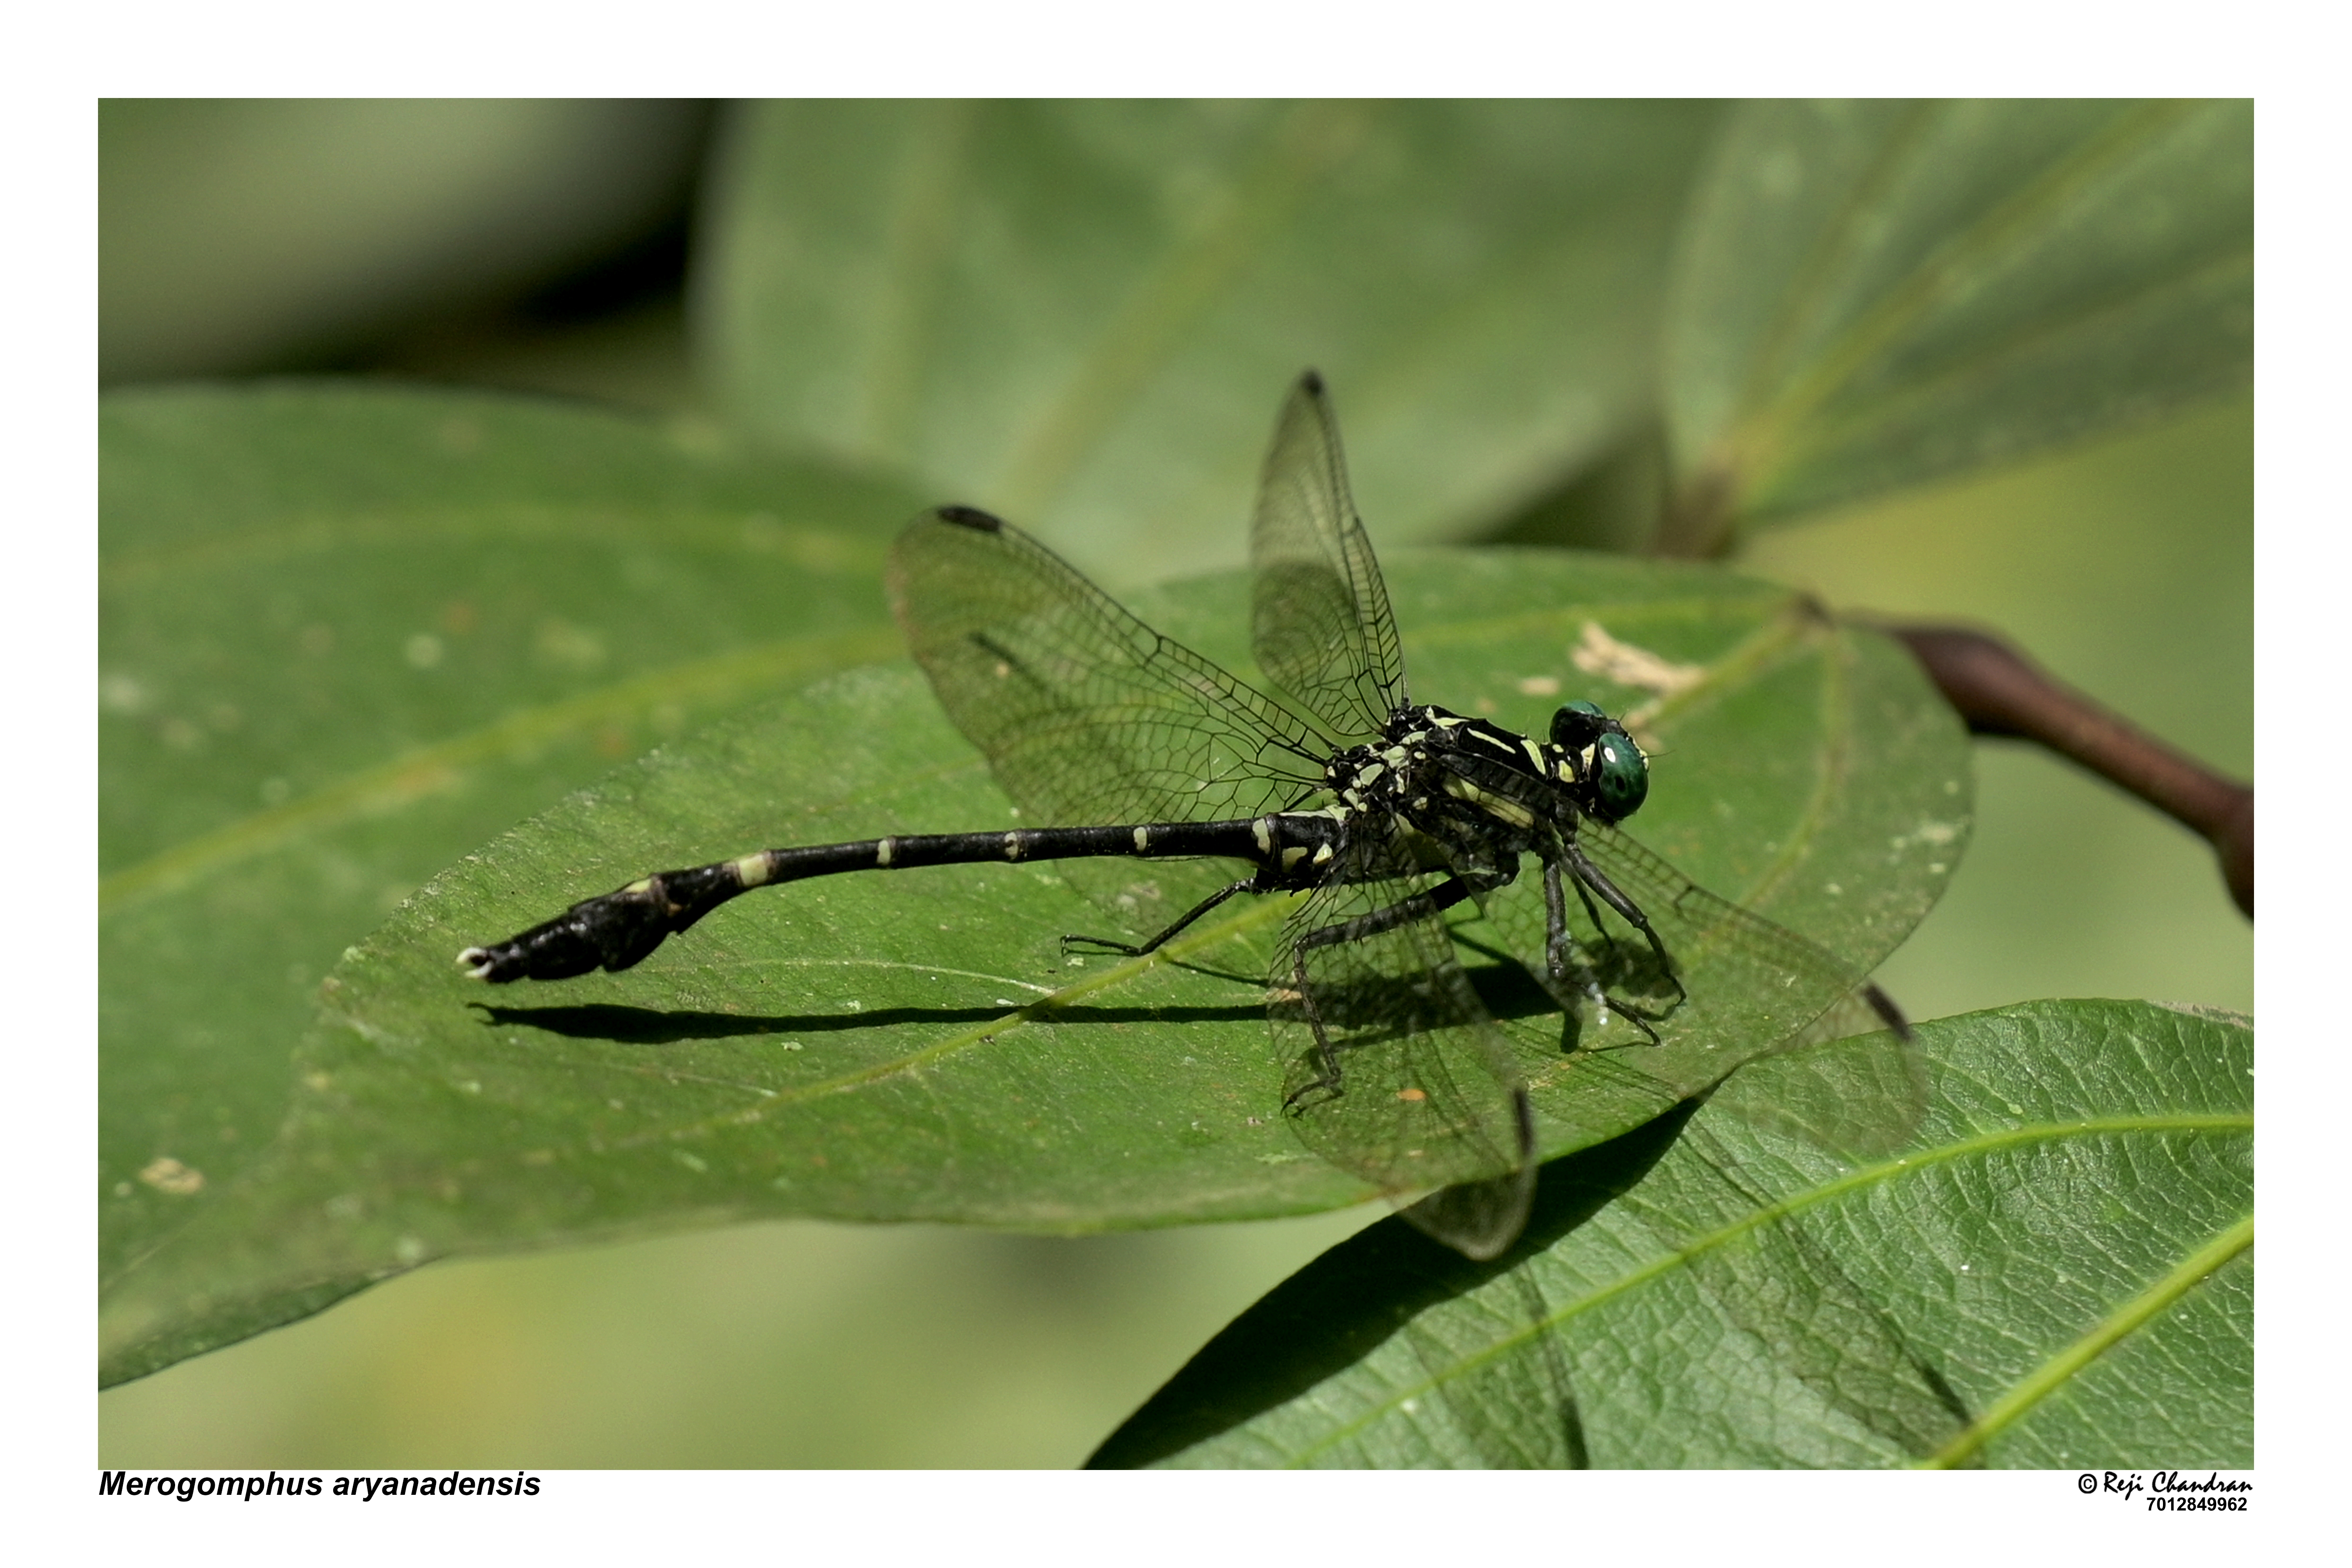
point(1621, 777)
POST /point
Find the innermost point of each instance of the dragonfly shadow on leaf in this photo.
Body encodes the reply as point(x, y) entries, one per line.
point(659, 1027)
point(1477, 1362)
point(1370, 1009)
point(1513, 994)
point(1367, 1290)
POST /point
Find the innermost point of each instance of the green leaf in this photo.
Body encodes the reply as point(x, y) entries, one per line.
point(1868, 295)
point(347, 634)
point(2057, 1272)
point(1076, 315)
point(916, 1047)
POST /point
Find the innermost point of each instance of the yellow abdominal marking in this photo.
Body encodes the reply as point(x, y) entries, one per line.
point(1496, 807)
point(752, 869)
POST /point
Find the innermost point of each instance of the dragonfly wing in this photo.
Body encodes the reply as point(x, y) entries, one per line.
point(1392, 1069)
point(1320, 623)
point(1749, 981)
point(1478, 1219)
point(1086, 715)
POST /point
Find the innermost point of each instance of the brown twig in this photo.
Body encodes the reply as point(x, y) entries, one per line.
point(1999, 692)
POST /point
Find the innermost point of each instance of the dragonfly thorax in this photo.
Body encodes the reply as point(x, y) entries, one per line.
point(1431, 763)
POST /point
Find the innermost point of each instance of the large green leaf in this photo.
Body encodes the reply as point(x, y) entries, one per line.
point(2057, 1272)
point(1870, 294)
point(1076, 315)
point(348, 633)
point(916, 1046)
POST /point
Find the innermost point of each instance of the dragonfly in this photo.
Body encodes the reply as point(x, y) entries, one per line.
point(1378, 813)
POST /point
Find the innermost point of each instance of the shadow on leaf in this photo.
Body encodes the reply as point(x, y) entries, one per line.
point(657, 1026)
point(1334, 1312)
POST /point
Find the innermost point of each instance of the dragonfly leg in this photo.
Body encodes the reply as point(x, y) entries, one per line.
point(1404, 911)
point(1558, 945)
point(1558, 942)
point(1589, 875)
point(1325, 1084)
point(1195, 912)
point(1420, 907)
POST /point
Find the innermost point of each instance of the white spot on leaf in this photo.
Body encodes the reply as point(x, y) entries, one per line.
point(1597, 653)
point(166, 1174)
point(122, 694)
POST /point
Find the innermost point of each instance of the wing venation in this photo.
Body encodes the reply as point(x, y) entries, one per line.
point(1085, 714)
point(1320, 621)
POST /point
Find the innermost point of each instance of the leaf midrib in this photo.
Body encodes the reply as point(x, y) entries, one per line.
point(1755, 442)
point(669, 526)
point(398, 780)
point(1308, 141)
point(2102, 1336)
point(2027, 1135)
point(1991, 357)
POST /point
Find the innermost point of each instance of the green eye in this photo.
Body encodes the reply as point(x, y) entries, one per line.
point(1622, 777)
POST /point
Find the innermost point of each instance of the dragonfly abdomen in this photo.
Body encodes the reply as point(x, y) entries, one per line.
point(615, 930)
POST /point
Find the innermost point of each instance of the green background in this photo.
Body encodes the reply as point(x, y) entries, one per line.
point(2123, 564)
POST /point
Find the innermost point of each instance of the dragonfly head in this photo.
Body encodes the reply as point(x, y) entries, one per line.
point(1611, 774)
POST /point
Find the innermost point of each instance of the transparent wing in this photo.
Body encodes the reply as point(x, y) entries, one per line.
point(1852, 1086)
point(1320, 623)
point(1749, 980)
point(1392, 1069)
point(1086, 715)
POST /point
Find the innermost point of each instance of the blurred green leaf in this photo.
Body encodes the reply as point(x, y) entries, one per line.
point(1076, 315)
point(917, 1047)
point(347, 634)
point(2056, 1273)
point(1867, 295)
